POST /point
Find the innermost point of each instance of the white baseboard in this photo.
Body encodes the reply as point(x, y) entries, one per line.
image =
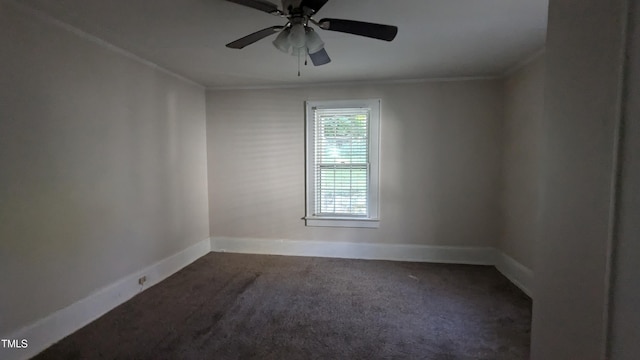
point(397, 252)
point(47, 331)
point(519, 274)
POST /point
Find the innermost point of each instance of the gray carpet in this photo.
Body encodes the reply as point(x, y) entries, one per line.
point(232, 306)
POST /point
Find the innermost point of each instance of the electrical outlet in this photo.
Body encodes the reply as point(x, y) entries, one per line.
point(142, 280)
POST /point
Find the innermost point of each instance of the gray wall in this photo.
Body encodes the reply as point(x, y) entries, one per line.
point(625, 317)
point(582, 90)
point(440, 163)
point(523, 112)
point(102, 167)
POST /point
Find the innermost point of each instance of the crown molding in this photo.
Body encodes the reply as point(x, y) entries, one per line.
point(356, 83)
point(38, 14)
point(522, 63)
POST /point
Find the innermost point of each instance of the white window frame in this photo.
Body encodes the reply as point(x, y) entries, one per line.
point(372, 220)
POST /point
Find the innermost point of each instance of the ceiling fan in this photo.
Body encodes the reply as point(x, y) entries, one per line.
point(298, 37)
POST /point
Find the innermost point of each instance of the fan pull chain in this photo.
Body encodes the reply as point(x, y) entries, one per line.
point(298, 63)
point(306, 56)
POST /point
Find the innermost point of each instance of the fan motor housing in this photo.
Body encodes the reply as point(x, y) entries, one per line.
point(289, 5)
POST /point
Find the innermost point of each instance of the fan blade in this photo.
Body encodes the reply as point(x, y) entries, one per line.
point(314, 5)
point(261, 5)
point(320, 58)
point(251, 38)
point(376, 31)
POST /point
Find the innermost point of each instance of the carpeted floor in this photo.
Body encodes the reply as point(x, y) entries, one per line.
point(232, 306)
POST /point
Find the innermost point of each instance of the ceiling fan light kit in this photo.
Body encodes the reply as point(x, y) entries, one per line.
point(314, 43)
point(298, 37)
point(282, 41)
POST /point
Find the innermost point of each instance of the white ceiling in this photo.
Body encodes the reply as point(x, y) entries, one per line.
point(436, 38)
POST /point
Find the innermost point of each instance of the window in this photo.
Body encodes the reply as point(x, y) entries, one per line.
point(342, 163)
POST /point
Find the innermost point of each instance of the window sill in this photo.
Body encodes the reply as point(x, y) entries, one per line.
point(343, 222)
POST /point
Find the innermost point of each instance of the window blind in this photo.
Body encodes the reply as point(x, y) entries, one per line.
point(341, 161)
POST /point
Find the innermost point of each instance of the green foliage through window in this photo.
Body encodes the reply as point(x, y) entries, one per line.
point(341, 161)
